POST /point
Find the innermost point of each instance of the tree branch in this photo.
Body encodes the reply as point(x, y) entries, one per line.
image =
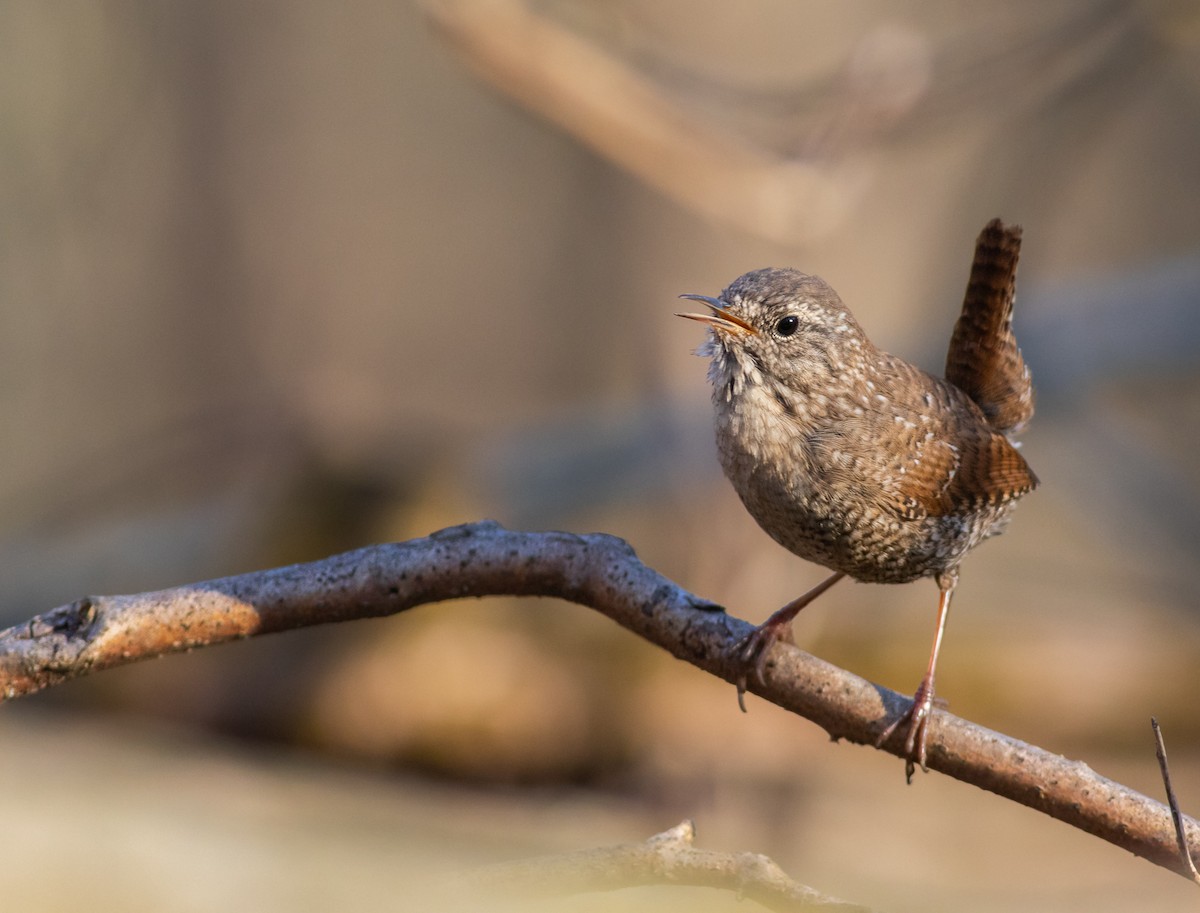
point(599, 571)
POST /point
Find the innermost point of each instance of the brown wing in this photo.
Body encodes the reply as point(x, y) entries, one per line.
point(925, 452)
point(984, 361)
point(961, 473)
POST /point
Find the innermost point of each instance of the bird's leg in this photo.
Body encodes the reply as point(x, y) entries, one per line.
point(752, 649)
point(917, 714)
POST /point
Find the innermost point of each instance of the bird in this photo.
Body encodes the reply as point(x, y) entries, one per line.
point(857, 460)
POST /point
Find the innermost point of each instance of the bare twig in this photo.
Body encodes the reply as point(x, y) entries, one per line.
point(599, 571)
point(1185, 853)
point(666, 858)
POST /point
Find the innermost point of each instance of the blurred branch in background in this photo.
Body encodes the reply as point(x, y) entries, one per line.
point(628, 118)
point(787, 164)
point(666, 858)
point(599, 571)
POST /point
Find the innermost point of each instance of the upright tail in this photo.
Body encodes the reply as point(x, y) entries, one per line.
point(984, 361)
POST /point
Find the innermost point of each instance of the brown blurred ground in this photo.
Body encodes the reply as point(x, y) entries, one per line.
point(279, 280)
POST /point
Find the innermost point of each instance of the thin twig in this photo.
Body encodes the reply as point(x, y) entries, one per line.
point(599, 571)
point(1185, 853)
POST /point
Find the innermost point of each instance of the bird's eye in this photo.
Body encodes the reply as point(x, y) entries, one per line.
point(787, 325)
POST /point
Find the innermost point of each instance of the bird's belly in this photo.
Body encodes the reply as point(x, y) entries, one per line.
point(858, 534)
point(846, 522)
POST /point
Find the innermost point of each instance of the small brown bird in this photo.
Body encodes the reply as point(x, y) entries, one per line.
point(856, 459)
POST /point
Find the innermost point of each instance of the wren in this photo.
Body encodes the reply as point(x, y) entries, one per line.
point(859, 461)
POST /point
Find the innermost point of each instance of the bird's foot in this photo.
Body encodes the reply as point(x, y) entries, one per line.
point(752, 649)
point(916, 718)
point(751, 652)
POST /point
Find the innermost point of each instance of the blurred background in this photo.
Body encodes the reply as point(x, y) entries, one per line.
point(278, 280)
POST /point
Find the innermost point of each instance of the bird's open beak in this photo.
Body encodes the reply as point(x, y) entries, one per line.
point(720, 318)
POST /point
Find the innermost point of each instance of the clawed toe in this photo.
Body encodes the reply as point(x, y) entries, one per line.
point(752, 650)
point(916, 719)
point(751, 654)
point(741, 690)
